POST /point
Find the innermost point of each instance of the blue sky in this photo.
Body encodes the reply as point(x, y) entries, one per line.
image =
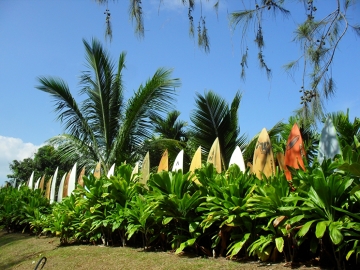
point(40, 38)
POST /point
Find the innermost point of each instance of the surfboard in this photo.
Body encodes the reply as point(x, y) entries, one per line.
point(37, 183)
point(329, 145)
point(164, 162)
point(214, 156)
point(238, 159)
point(295, 151)
point(135, 170)
point(111, 171)
point(263, 160)
point(66, 185)
point(196, 160)
point(145, 169)
point(61, 188)
point(281, 160)
point(72, 180)
point(97, 171)
point(249, 165)
point(179, 162)
point(31, 181)
point(42, 182)
point(80, 179)
point(47, 190)
point(53, 186)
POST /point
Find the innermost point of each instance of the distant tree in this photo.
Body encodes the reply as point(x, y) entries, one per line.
point(21, 170)
point(45, 162)
point(324, 25)
point(104, 126)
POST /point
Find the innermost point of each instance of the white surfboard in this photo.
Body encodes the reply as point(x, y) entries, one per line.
point(53, 186)
point(238, 159)
point(111, 171)
point(329, 145)
point(135, 170)
point(145, 169)
point(179, 162)
point(61, 187)
point(214, 156)
point(72, 180)
point(31, 181)
point(37, 183)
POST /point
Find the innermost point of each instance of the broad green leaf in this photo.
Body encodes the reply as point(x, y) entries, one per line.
point(235, 249)
point(193, 226)
point(321, 228)
point(335, 233)
point(185, 244)
point(167, 220)
point(305, 228)
point(279, 244)
point(349, 254)
point(104, 195)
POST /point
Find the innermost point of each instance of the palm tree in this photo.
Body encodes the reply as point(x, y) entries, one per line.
point(214, 118)
point(103, 127)
point(347, 132)
point(170, 134)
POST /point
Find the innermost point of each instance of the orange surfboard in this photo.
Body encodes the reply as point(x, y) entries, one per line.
point(263, 160)
point(80, 179)
point(48, 187)
point(294, 152)
point(164, 162)
point(42, 182)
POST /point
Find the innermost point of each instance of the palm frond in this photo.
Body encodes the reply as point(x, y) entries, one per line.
point(150, 100)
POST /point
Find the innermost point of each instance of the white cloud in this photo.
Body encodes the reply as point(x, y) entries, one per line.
point(13, 149)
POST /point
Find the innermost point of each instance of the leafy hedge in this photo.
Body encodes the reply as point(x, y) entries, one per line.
point(317, 215)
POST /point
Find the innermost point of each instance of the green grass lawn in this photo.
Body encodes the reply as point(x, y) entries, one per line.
point(20, 251)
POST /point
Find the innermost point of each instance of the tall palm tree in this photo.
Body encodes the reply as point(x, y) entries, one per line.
point(214, 118)
point(104, 127)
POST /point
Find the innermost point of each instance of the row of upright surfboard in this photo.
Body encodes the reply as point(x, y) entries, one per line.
point(263, 161)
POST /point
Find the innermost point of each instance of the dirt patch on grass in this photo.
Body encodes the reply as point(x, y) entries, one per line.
point(19, 251)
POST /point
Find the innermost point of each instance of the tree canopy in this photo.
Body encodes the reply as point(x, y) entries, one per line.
point(318, 35)
point(104, 126)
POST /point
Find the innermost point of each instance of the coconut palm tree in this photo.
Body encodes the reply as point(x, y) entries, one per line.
point(104, 127)
point(214, 118)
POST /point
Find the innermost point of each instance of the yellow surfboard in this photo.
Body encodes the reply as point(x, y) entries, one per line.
point(145, 169)
point(195, 163)
point(263, 160)
point(196, 160)
point(97, 171)
point(214, 156)
point(164, 162)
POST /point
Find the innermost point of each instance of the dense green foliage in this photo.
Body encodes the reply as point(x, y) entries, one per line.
point(229, 214)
